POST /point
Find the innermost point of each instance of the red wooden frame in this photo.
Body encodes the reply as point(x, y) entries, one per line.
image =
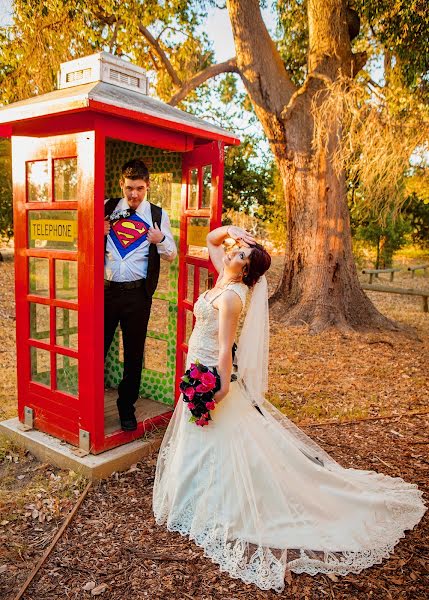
point(204, 155)
point(55, 411)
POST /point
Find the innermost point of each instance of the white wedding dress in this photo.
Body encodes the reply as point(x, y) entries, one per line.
point(261, 497)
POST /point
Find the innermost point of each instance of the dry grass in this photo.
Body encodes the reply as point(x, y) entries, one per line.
point(7, 342)
point(336, 377)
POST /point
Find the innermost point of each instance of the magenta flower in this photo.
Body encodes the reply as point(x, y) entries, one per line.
point(195, 372)
point(189, 393)
point(191, 405)
point(208, 379)
point(211, 405)
point(202, 422)
point(202, 389)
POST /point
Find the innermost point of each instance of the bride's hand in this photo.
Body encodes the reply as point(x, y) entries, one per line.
point(240, 235)
point(220, 395)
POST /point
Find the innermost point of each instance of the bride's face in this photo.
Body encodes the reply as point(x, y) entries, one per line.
point(236, 260)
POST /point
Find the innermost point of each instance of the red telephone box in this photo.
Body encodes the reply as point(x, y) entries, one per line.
point(67, 149)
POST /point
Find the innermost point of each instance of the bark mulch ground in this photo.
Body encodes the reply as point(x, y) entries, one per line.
point(114, 549)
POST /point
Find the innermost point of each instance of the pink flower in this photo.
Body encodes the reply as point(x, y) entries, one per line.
point(189, 392)
point(211, 405)
point(195, 372)
point(208, 379)
point(191, 405)
point(202, 389)
point(202, 422)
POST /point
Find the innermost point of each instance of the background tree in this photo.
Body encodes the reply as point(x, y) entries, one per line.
point(417, 214)
point(6, 229)
point(292, 101)
point(248, 181)
point(386, 238)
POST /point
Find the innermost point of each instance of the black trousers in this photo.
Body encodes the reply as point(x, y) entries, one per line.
point(131, 309)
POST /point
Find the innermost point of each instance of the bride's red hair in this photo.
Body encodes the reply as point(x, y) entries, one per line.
point(259, 263)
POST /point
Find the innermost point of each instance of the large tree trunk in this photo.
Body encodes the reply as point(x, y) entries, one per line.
point(319, 286)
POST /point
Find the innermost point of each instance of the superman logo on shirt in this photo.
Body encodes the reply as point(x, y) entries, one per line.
point(128, 234)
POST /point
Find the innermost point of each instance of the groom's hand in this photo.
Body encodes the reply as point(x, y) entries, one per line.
point(155, 235)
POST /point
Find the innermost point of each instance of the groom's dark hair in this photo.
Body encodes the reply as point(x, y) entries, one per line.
point(135, 169)
point(259, 263)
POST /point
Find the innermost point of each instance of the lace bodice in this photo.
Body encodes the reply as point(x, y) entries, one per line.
point(204, 340)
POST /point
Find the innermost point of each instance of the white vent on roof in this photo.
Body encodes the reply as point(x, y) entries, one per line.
point(124, 78)
point(103, 67)
point(78, 76)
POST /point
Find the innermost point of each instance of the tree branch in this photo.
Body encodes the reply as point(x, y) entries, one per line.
point(161, 54)
point(261, 66)
point(114, 36)
point(152, 58)
point(287, 111)
point(229, 66)
point(358, 61)
point(111, 19)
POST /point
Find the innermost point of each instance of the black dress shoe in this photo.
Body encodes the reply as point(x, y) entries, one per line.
point(129, 424)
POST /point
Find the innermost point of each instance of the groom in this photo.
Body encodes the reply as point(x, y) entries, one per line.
point(137, 234)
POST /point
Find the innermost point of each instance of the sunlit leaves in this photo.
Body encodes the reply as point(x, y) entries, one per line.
point(402, 27)
point(45, 33)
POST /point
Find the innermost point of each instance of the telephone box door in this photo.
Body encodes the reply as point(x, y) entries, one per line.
point(56, 316)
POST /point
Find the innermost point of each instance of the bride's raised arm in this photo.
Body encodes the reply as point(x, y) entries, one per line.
point(216, 238)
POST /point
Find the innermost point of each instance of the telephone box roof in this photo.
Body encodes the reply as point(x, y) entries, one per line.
point(102, 97)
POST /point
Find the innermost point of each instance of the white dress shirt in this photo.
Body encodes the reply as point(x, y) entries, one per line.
point(134, 265)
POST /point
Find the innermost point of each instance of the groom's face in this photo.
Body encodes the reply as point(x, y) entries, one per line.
point(134, 191)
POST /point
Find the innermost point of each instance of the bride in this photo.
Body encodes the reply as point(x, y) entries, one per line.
point(257, 494)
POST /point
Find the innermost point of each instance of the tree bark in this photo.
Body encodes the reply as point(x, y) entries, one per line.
point(319, 286)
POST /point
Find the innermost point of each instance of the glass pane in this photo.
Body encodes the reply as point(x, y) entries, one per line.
point(207, 187)
point(39, 322)
point(193, 189)
point(52, 229)
point(204, 280)
point(198, 228)
point(38, 276)
point(37, 181)
point(40, 366)
point(66, 328)
point(67, 374)
point(66, 279)
point(65, 179)
point(190, 283)
point(155, 355)
point(189, 325)
point(158, 321)
point(160, 189)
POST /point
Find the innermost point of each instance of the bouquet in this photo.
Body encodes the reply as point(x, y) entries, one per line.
point(199, 385)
